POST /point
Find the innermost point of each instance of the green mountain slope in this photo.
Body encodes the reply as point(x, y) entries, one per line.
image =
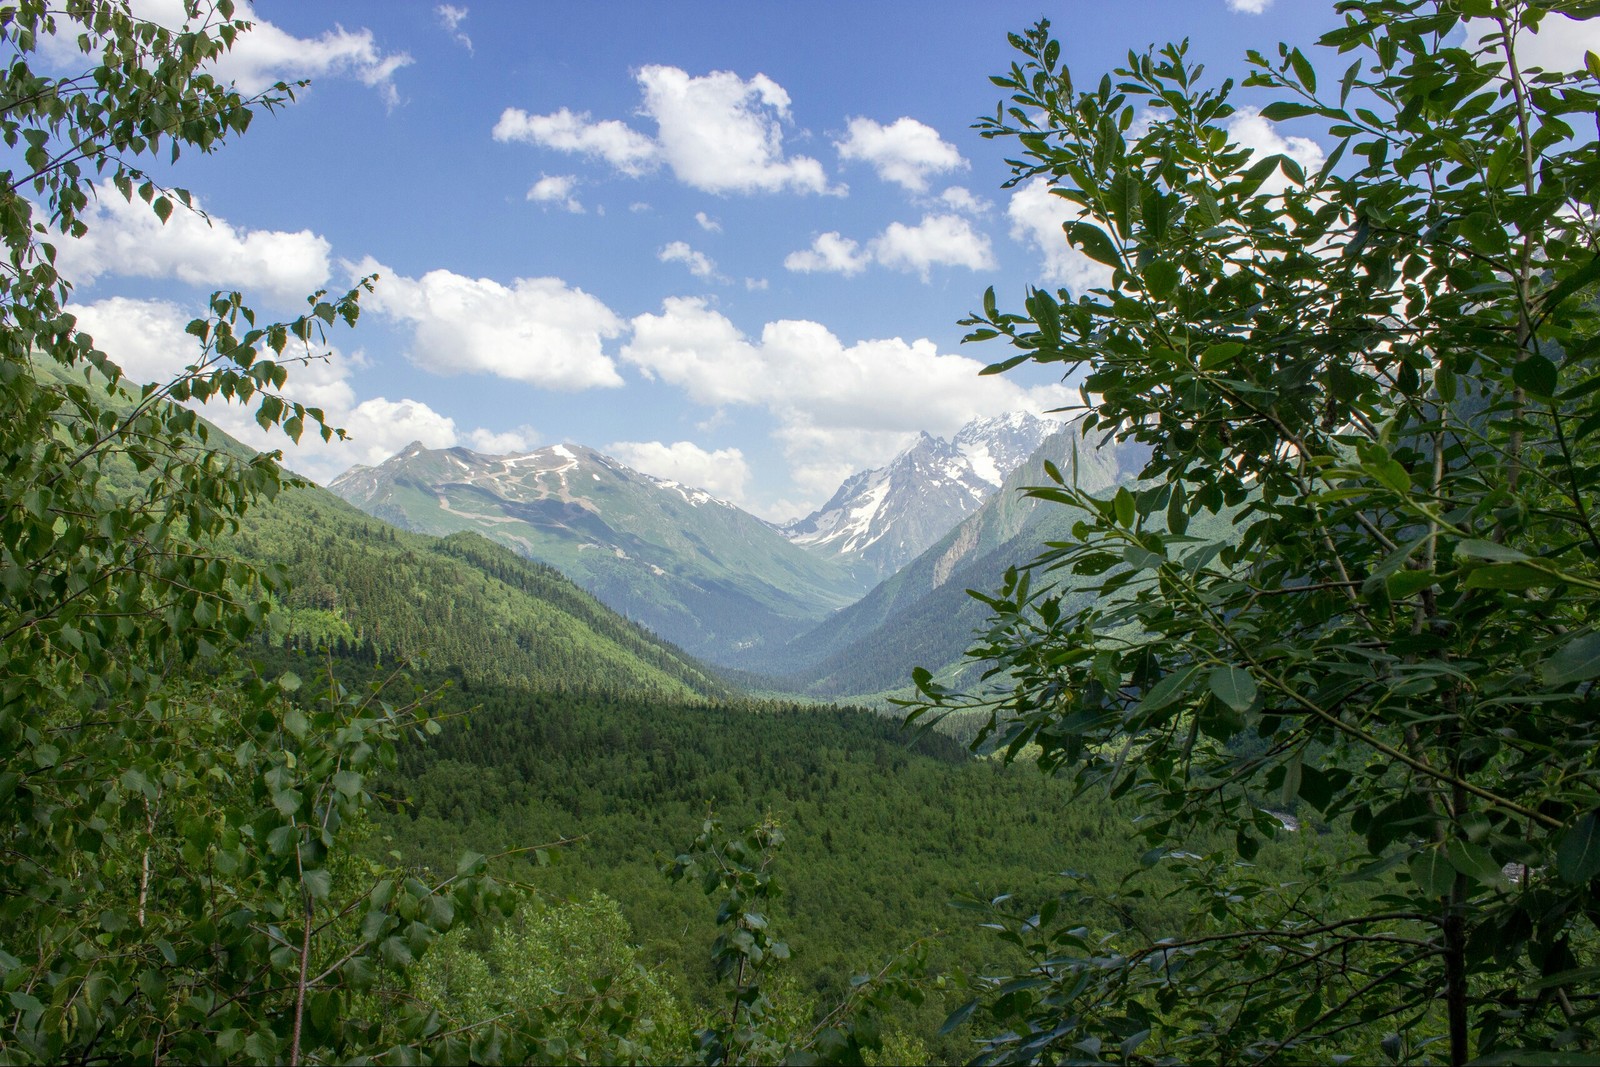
point(459, 600)
point(922, 615)
point(703, 574)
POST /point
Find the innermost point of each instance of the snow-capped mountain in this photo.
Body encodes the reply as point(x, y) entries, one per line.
point(886, 517)
point(700, 572)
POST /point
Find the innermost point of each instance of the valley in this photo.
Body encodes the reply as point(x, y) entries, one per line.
point(884, 564)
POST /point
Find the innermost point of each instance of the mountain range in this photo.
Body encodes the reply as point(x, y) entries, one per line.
point(885, 517)
point(840, 603)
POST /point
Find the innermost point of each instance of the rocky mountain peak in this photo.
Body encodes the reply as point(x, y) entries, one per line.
point(886, 516)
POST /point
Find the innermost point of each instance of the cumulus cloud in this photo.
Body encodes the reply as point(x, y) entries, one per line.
point(535, 330)
point(723, 472)
point(128, 239)
point(938, 240)
point(831, 253)
point(1249, 7)
point(836, 407)
point(707, 223)
point(451, 17)
point(505, 442)
point(146, 338)
point(699, 264)
point(627, 150)
point(905, 152)
point(1248, 129)
point(1036, 219)
point(556, 189)
point(960, 198)
point(267, 54)
point(718, 133)
point(1558, 46)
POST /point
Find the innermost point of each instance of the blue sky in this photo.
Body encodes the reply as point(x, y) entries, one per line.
point(726, 242)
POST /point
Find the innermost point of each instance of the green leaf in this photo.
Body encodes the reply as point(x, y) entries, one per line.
point(1577, 660)
point(1536, 374)
point(1220, 355)
point(348, 782)
point(1472, 549)
point(1095, 242)
point(1508, 576)
point(1578, 854)
point(1408, 583)
point(1161, 278)
point(1474, 861)
point(1167, 690)
point(1123, 504)
point(1433, 873)
point(1279, 110)
point(1303, 70)
point(1591, 63)
point(1233, 686)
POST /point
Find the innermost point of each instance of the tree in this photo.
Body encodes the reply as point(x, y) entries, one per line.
point(177, 882)
point(1357, 578)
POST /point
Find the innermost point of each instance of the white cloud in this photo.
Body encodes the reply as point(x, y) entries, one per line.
point(556, 189)
point(1248, 129)
point(707, 223)
point(722, 134)
point(379, 428)
point(905, 152)
point(627, 150)
point(506, 442)
point(127, 239)
point(723, 473)
point(535, 330)
point(959, 198)
point(699, 264)
point(832, 253)
point(268, 54)
point(755, 285)
point(1558, 46)
point(938, 240)
point(836, 407)
point(718, 133)
point(451, 17)
point(1249, 7)
point(1036, 218)
point(146, 338)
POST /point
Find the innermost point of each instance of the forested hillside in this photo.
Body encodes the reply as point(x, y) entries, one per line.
point(489, 615)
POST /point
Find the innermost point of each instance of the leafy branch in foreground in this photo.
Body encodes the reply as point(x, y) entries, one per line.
point(177, 882)
point(1356, 581)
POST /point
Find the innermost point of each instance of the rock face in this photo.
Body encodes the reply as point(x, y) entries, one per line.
point(700, 572)
point(882, 519)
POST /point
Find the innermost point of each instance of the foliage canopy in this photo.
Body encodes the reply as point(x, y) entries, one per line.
point(1383, 374)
